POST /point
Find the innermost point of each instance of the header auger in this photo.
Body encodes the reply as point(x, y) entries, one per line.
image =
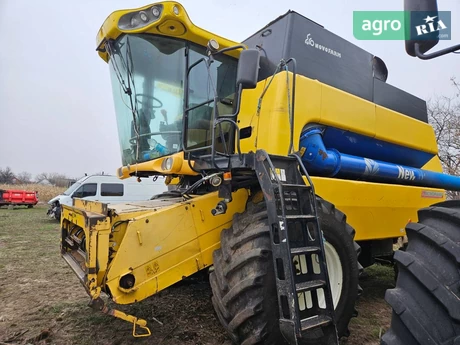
point(291, 163)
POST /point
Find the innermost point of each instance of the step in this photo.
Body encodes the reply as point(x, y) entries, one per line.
point(300, 216)
point(310, 285)
point(315, 321)
point(289, 185)
point(305, 250)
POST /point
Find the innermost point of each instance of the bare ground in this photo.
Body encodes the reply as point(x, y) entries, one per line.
point(42, 302)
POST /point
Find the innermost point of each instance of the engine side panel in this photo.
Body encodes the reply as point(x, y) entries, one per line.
point(375, 210)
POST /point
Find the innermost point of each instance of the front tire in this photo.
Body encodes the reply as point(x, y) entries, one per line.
point(340, 243)
point(426, 299)
point(243, 280)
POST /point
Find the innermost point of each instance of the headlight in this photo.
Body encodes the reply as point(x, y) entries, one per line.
point(171, 164)
point(168, 163)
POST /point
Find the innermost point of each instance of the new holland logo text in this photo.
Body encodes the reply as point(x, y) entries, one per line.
point(372, 167)
point(405, 174)
point(310, 42)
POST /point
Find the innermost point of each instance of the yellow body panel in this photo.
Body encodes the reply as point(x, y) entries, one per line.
point(404, 130)
point(434, 164)
point(180, 165)
point(159, 245)
point(376, 210)
point(322, 104)
point(345, 111)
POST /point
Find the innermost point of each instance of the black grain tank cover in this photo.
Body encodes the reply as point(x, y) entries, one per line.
point(324, 56)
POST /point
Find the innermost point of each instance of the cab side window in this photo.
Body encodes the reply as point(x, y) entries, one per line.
point(86, 190)
point(112, 189)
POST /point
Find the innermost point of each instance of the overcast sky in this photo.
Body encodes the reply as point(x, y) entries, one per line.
point(56, 107)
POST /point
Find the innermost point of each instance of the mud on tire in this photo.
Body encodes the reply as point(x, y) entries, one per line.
point(243, 280)
point(426, 299)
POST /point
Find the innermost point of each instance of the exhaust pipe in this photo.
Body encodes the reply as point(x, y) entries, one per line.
point(324, 162)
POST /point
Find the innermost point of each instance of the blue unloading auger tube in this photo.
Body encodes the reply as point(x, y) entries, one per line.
point(331, 163)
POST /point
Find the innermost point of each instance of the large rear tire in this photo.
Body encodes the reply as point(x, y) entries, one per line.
point(426, 299)
point(243, 279)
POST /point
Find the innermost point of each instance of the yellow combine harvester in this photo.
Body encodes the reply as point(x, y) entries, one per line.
point(234, 128)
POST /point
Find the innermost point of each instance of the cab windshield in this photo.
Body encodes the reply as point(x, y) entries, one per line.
point(148, 75)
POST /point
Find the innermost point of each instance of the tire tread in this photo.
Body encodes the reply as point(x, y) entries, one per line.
point(425, 301)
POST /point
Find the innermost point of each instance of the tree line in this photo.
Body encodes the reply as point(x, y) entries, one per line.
point(7, 176)
point(444, 116)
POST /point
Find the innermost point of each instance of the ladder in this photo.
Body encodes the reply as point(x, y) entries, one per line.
point(305, 302)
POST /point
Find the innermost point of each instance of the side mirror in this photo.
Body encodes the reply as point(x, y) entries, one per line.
point(428, 38)
point(248, 69)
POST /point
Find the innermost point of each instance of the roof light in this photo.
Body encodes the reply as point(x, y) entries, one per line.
point(134, 21)
point(139, 19)
point(143, 16)
point(213, 45)
point(155, 11)
point(176, 10)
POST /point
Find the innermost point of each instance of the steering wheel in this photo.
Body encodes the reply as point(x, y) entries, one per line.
point(149, 97)
point(132, 141)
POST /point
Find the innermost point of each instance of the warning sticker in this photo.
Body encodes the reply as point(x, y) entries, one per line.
point(432, 194)
point(281, 173)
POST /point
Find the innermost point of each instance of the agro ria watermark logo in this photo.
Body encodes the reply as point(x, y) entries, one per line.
point(401, 25)
point(429, 24)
